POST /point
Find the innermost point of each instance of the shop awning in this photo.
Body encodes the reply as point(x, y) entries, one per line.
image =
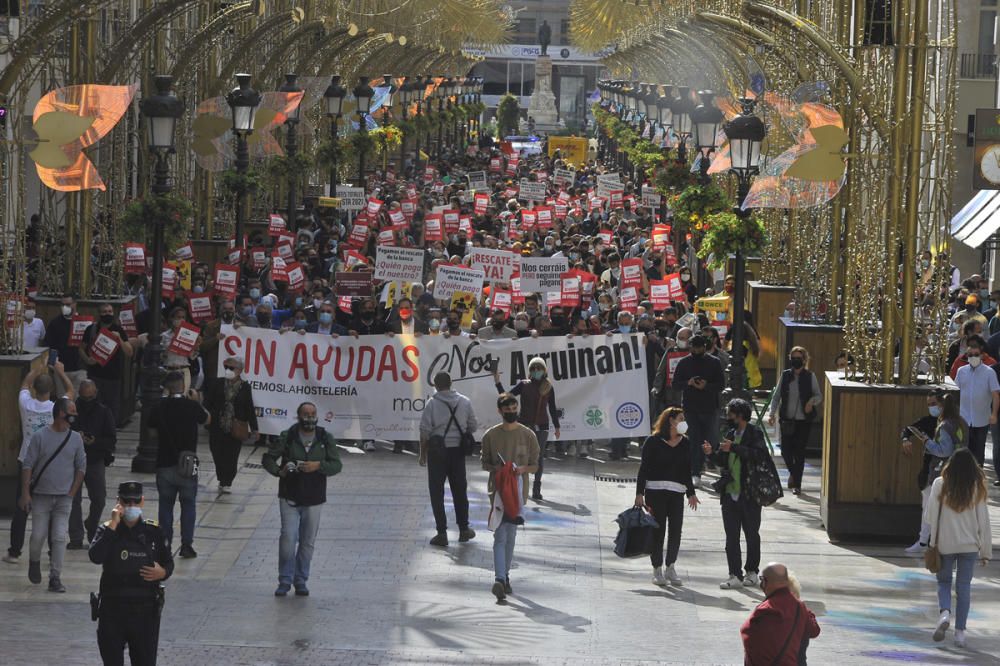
point(978, 220)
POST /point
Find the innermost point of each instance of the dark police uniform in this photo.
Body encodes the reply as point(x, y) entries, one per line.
point(129, 606)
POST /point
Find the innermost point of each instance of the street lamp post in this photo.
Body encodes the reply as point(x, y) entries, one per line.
point(745, 132)
point(404, 102)
point(363, 93)
point(162, 111)
point(665, 117)
point(681, 115)
point(386, 109)
point(243, 100)
point(440, 94)
point(706, 119)
point(334, 96)
point(292, 144)
point(419, 86)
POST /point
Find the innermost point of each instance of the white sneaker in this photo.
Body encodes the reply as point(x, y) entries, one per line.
point(960, 638)
point(658, 578)
point(11, 559)
point(916, 549)
point(671, 575)
point(751, 579)
point(369, 446)
point(944, 621)
point(733, 583)
point(225, 490)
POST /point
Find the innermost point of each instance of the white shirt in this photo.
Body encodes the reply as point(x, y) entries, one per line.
point(35, 415)
point(976, 386)
point(34, 333)
point(965, 532)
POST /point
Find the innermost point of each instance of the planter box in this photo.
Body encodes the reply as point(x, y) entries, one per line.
point(869, 489)
point(13, 370)
point(767, 303)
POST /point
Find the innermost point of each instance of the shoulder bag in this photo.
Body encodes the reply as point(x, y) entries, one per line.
point(187, 465)
point(38, 478)
point(932, 556)
point(765, 484)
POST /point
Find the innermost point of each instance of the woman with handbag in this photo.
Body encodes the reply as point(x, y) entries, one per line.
point(663, 481)
point(229, 399)
point(741, 450)
point(794, 404)
point(960, 534)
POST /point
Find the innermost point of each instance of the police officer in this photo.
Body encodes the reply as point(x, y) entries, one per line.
point(135, 561)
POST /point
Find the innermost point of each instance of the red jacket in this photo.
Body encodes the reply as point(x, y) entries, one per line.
point(767, 628)
point(963, 360)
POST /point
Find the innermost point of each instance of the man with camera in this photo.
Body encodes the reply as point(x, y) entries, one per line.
point(301, 457)
point(135, 559)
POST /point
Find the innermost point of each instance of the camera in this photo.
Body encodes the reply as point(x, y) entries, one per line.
point(291, 466)
point(724, 480)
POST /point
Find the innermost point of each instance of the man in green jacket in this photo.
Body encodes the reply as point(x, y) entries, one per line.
point(301, 457)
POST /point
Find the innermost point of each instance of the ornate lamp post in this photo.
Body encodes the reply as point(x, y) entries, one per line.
point(706, 119)
point(363, 93)
point(419, 86)
point(440, 93)
point(681, 109)
point(449, 90)
point(243, 100)
point(162, 111)
point(334, 96)
point(405, 93)
point(292, 144)
point(745, 132)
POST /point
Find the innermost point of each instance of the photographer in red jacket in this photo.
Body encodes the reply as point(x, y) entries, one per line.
point(778, 627)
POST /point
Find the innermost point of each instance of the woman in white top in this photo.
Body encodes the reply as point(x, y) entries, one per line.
point(960, 528)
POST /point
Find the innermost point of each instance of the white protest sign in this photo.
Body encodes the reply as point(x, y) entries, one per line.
point(497, 265)
point(607, 184)
point(541, 274)
point(450, 279)
point(399, 264)
point(530, 191)
point(650, 198)
point(477, 180)
point(351, 198)
point(567, 176)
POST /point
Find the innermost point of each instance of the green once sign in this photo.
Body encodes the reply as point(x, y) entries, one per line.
point(987, 124)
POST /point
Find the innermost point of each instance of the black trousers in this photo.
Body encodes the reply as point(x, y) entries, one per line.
point(667, 508)
point(136, 625)
point(110, 391)
point(977, 442)
point(738, 515)
point(225, 454)
point(448, 465)
point(794, 436)
point(543, 445)
point(18, 521)
point(97, 493)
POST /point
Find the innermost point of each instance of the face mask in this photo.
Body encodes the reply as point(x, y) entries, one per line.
point(255, 293)
point(797, 363)
point(520, 325)
point(934, 411)
point(198, 289)
point(437, 254)
point(307, 423)
point(228, 373)
point(509, 417)
point(29, 315)
point(247, 311)
point(298, 301)
point(682, 344)
point(975, 361)
point(107, 319)
point(325, 318)
point(531, 311)
point(132, 514)
point(685, 276)
point(71, 419)
point(405, 313)
point(925, 264)
point(604, 307)
point(300, 323)
point(624, 328)
point(317, 302)
point(67, 311)
point(176, 323)
point(682, 427)
point(537, 375)
point(499, 323)
point(434, 324)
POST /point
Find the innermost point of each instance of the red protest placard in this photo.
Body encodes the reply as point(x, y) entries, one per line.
point(588, 282)
point(169, 278)
point(496, 165)
point(722, 326)
point(616, 198)
point(235, 257)
point(397, 218)
point(285, 237)
point(564, 196)
point(676, 286)
point(409, 207)
point(512, 230)
point(78, 326)
point(433, 228)
point(544, 217)
point(450, 220)
point(259, 257)
point(560, 211)
point(429, 174)
point(605, 236)
point(275, 225)
point(135, 258)
point(596, 203)
point(184, 340)
point(185, 252)
point(226, 280)
point(512, 166)
point(386, 237)
point(511, 192)
point(103, 348)
point(516, 296)
point(673, 358)
point(411, 192)
point(501, 300)
point(660, 236)
point(481, 203)
point(529, 219)
point(628, 299)
point(284, 250)
point(631, 273)
point(373, 207)
point(361, 219)
point(659, 293)
point(126, 319)
point(354, 259)
point(296, 276)
point(279, 269)
point(344, 304)
point(570, 291)
point(200, 308)
point(465, 224)
point(358, 237)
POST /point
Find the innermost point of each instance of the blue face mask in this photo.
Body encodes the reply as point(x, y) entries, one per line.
point(624, 328)
point(298, 301)
point(935, 411)
point(325, 318)
point(247, 310)
point(537, 374)
point(255, 293)
point(300, 323)
point(132, 513)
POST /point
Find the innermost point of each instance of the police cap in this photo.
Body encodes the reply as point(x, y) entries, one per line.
point(130, 490)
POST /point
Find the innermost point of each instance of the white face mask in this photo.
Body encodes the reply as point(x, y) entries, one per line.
point(229, 374)
point(520, 325)
point(682, 427)
point(975, 361)
point(66, 311)
point(29, 315)
point(682, 344)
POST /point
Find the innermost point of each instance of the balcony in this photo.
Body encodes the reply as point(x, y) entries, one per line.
point(978, 66)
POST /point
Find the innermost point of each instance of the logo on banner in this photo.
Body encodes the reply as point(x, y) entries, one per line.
point(593, 417)
point(270, 411)
point(629, 415)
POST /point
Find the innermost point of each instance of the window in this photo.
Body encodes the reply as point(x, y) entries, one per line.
point(564, 32)
point(987, 31)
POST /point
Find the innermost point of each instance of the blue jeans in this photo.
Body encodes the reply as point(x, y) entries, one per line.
point(299, 526)
point(49, 521)
point(170, 485)
point(701, 426)
point(503, 549)
point(963, 584)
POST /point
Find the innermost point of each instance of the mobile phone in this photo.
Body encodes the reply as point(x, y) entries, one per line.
point(53, 356)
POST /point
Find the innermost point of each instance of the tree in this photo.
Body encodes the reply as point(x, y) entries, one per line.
point(508, 115)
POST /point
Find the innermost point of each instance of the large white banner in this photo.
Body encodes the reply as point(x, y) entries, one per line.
point(376, 386)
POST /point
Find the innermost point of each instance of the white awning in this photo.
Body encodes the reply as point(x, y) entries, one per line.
point(978, 220)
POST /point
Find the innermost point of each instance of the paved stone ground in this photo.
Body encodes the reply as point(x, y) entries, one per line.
point(381, 595)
